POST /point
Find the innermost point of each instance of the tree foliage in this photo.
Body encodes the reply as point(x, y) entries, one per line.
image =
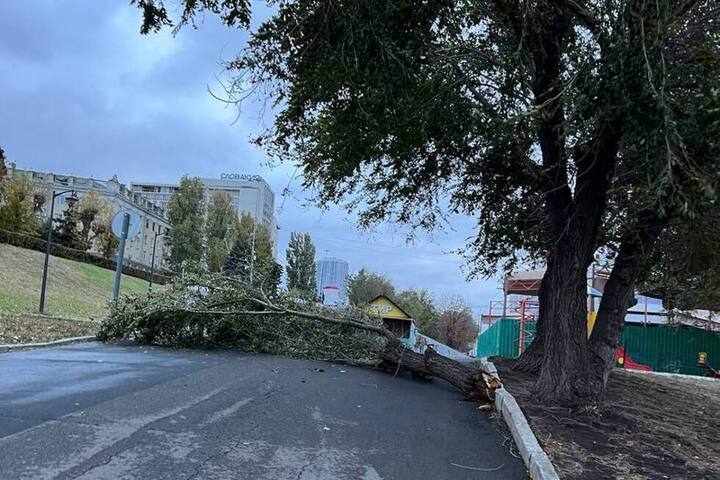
point(155, 14)
point(685, 268)
point(300, 269)
point(252, 258)
point(17, 207)
point(365, 285)
point(107, 242)
point(186, 215)
point(3, 167)
point(420, 304)
point(180, 317)
point(455, 326)
point(94, 214)
point(222, 225)
point(563, 126)
point(67, 230)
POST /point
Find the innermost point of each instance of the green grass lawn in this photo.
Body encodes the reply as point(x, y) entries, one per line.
point(75, 289)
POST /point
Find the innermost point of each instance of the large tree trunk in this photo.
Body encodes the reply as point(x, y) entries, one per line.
point(563, 374)
point(531, 359)
point(468, 378)
point(619, 292)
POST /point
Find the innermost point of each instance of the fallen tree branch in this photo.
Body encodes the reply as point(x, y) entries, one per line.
point(471, 379)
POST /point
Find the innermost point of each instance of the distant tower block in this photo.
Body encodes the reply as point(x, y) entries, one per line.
point(331, 277)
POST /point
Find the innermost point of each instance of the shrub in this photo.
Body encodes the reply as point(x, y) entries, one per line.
point(38, 244)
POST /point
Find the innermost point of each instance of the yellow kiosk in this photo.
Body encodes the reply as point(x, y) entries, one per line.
point(394, 318)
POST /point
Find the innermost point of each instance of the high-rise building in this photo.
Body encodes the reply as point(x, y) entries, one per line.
point(250, 194)
point(331, 275)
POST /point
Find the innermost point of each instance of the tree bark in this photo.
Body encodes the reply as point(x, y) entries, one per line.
point(619, 292)
point(531, 359)
point(471, 380)
point(563, 374)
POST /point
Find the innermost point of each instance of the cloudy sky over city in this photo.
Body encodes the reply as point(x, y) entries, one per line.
point(84, 93)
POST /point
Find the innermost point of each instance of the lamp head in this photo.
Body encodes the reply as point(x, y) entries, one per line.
point(72, 199)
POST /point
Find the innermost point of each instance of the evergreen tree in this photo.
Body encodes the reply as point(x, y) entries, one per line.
point(300, 256)
point(68, 228)
point(186, 212)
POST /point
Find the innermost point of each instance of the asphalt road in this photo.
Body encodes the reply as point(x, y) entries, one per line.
point(94, 411)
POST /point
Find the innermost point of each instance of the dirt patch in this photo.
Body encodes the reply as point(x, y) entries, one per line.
point(650, 427)
point(33, 329)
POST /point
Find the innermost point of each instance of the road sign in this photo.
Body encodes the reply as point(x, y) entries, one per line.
point(133, 226)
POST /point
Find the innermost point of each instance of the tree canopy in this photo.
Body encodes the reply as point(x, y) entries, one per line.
point(186, 215)
point(17, 206)
point(252, 258)
point(562, 126)
point(221, 228)
point(420, 304)
point(300, 269)
point(3, 167)
point(455, 326)
point(94, 214)
point(365, 285)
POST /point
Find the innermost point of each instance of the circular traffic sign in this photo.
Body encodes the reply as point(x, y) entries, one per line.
point(133, 226)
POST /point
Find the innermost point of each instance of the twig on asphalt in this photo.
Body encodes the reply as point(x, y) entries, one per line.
point(478, 468)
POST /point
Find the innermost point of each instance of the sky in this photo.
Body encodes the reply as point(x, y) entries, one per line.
point(83, 93)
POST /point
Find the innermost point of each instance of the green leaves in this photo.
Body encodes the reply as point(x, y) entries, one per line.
point(183, 317)
point(16, 206)
point(364, 286)
point(300, 267)
point(252, 258)
point(155, 14)
point(530, 117)
point(186, 214)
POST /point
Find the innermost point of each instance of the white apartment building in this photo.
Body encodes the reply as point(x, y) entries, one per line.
point(250, 193)
point(138, 251)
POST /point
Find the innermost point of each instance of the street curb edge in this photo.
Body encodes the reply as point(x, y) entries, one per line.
point(54, 343)
point(535, 458)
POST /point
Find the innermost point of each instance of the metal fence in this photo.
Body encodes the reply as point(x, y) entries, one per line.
point(664, 348)
point(502, 339)
point(672, 349)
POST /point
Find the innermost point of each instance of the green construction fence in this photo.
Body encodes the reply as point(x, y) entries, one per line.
point(501, 339)
point(665, 348)
point(672, 349)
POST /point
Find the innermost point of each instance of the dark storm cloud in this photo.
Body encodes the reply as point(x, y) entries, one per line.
point(83, 93)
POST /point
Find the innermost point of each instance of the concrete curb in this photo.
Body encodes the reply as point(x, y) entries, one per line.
point(671, 375)
point(54, 343)
point(535, 458)
point(49, 317)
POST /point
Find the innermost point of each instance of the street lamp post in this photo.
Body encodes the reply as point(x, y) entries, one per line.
point(252, 251)
point(152, 262)
point(72, 199)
